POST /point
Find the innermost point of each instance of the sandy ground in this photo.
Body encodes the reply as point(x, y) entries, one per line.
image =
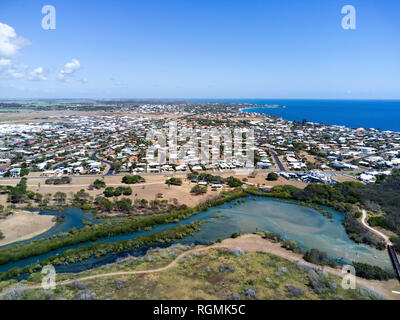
point(260, 179)
point(251, 242)
point(148, 190)
point(308, 156)
point(23, 225)
point(154, 184)
point(344, 177)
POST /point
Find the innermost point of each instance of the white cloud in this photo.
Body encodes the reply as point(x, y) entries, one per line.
point(10, 42)
point(37, 75)
point(13, 73)
point(8, 70)
point(5, 63)
point(69, 69)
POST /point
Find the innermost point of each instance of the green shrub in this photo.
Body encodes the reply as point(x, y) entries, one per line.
point(98, 184)
point(174, 181)
point(357, 214)
point(272, 176)
point(318, 257)
point(133, 179)
point(233, 182)
point(86, 206)
point(367, 271)
point(378, 221)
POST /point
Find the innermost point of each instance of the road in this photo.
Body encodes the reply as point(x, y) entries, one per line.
point(278, 161)
point(111, 170)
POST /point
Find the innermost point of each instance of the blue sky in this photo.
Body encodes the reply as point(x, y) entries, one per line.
point(200, 49)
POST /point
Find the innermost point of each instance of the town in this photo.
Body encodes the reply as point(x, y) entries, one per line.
point(77, 145)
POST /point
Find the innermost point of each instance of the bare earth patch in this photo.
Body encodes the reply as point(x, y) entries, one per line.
point(22, 225)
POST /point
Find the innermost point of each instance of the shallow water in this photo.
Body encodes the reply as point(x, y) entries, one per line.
point(72, 219)
point(308, 227)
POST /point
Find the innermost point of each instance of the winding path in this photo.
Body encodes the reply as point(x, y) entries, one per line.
point(385, 237)
point(248, 242)
point(124, 273)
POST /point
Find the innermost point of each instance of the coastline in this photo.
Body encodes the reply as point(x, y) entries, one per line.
point(261, 107)
point(367, 114)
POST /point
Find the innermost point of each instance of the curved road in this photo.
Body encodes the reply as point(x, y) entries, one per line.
point(111, 170)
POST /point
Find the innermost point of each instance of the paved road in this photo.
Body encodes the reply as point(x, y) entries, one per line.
point(111, 170)
point(278, 161)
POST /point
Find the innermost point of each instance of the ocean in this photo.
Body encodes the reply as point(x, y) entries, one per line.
point(377, 114)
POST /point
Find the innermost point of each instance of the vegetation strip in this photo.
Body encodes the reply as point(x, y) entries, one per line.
point(102, 248)
point(111, 228)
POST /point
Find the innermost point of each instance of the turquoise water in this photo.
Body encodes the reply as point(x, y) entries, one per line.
point(306, 226)
point(73, 218)
point(378, 114)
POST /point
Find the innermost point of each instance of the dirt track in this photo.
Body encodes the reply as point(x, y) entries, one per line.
point(253, 242)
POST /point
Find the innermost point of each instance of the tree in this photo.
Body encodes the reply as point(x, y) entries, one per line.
point(124, 205)
point(118, 191)
point(144, 202)
point(318, 257)
point(233, 182)
point(81, 197)
point(197, 190)
point(60, 197)
point(272, 176)
point(24, 172)
point(104, 204)
point(109, 192)
point(127, 191)
point(133, 179)
point(174, 181)
point(38, 197)
point(98, 184)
